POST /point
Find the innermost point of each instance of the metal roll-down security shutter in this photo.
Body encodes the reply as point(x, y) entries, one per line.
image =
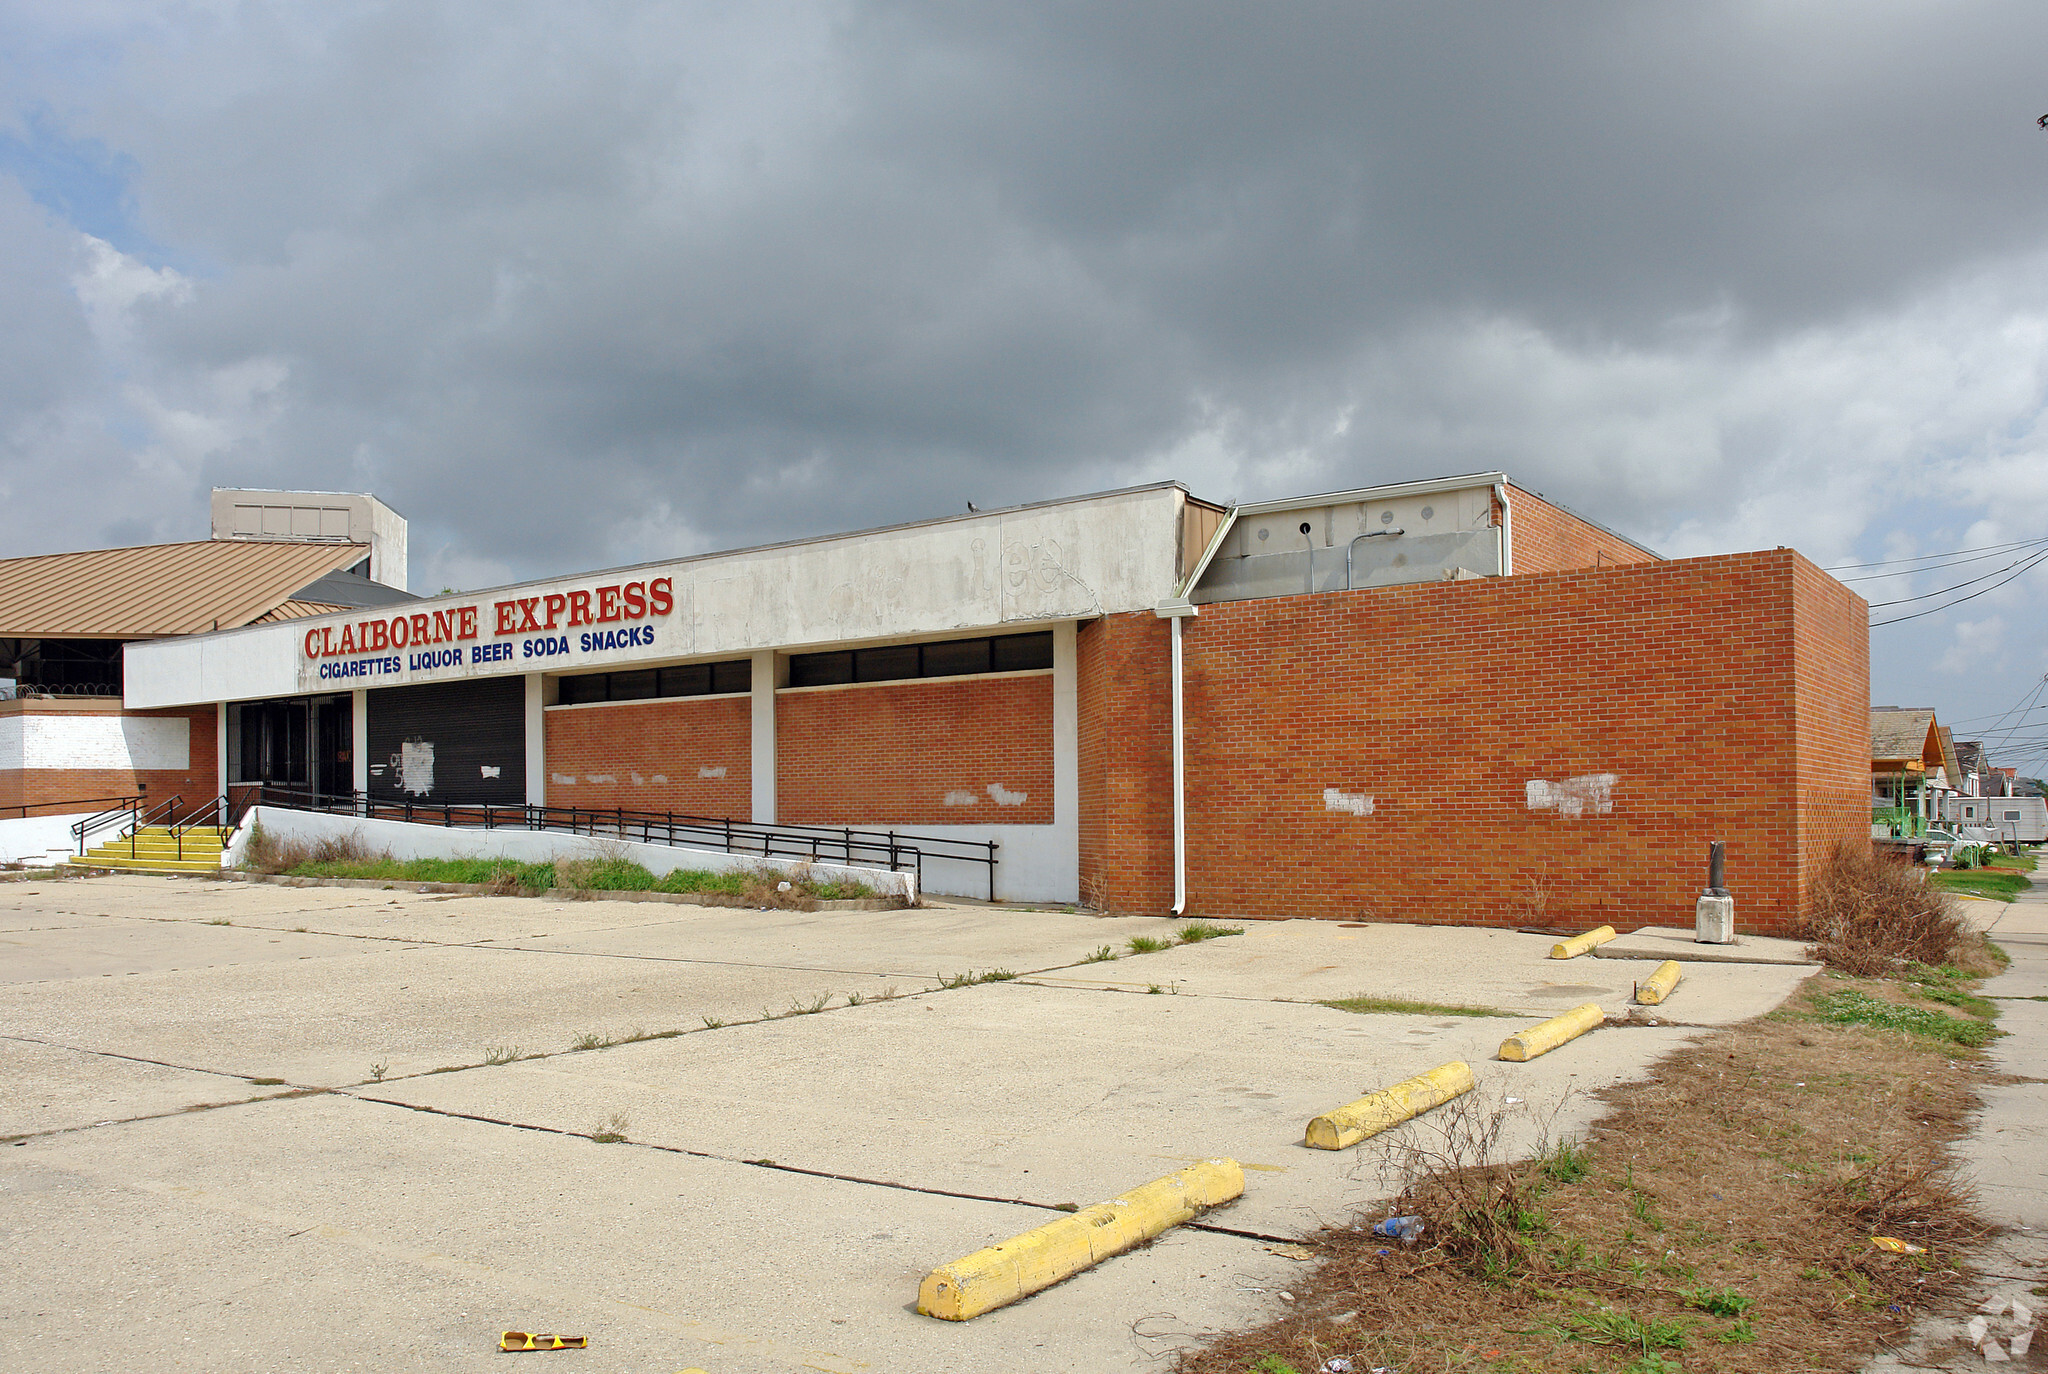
point(449, 742)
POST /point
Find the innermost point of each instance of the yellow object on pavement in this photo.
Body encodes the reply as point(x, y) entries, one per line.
point(1375, 1112)
point(1548, 1036)
point(1580, 944)
point(1658, 985)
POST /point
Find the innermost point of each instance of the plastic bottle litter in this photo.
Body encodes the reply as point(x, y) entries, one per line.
point(1407, 1230)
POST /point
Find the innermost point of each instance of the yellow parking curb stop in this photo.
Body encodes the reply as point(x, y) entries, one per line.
point(1658, 985)
point(1580, 944)
point(1021, 1265)
point(1552, 1033)
point(1376, 1112)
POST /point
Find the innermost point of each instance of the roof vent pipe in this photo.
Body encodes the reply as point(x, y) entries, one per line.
point(1176, 611)
point(1507, 530)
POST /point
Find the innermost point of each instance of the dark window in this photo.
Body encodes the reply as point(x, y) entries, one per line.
point(954, 657)
point(820, 670)
point(633, 686)
point(690, 680)
point(885, 665)
point(946, 658)
point(1016, 653)
point(645, 684)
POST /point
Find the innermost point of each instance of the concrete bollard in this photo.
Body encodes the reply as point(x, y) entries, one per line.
point(1375, 1112)
point(1021, 1265)
point(1544, 1038)
point(1580, 944)
point(1658, 985)
point(1713, 916)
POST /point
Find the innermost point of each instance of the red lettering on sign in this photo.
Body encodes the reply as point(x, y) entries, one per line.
point(579, 608)
point(607, 603)
point(504, 610)
point(555, 602)
point(661, 595)
point(467, 627)
point(636, 600)
point(528, 620)
point(348, 640)
point(312, 643)
point(378, 635)
point(401, 632)
point(444, 626)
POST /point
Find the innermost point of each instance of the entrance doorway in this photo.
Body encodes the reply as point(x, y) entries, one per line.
point(300, 743)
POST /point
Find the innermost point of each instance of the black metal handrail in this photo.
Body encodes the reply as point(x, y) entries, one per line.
point(212, 816)
point(125, 806)
point(895, 850)
point(23, 808)
point(163, 811)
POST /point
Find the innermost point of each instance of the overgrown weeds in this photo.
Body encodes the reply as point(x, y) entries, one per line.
point(1871, 917)
point(1718, 1218)
point(269, 852)
point(588, 874)
point(1366, 1005)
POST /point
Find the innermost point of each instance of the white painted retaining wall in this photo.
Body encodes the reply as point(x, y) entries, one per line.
point(407, 841)
point(39, 839)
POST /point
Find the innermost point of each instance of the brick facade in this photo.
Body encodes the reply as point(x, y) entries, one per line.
point(1436, 753)
point(43, 790)
point(1547, 539)
point(689, 755)
point(942, 751)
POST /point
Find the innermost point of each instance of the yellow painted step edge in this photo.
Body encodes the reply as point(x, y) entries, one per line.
point(1552, 1033)
point(1658, 985)
point(1581, 944)
point(1375, 1112)
point(1021, 1265)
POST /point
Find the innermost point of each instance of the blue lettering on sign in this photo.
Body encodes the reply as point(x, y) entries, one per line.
point(618, 639)
point(357, 667)
point(547, 647)
point(433, 658)
point(489, 653)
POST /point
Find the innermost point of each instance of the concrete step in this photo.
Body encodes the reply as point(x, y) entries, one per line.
point(149, 865)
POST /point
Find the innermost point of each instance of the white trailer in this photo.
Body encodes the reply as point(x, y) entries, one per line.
point(2016, 819)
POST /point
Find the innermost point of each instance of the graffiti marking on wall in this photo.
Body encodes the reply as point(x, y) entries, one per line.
point(1003, 796)
point(415, 765)
point(1353, 803)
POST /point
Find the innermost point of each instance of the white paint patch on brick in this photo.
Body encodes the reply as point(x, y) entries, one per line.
point(710, 772)
point(565, 779)
point(1356, 803)
point(136, 743)
point(961, 799)
point(599, 777)
point(1005, 797)
point(639, 781)
point(660, 779)
point(491, 770)
point(1586, 794)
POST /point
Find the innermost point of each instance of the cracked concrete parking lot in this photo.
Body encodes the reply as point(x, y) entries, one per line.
point(257, 1127)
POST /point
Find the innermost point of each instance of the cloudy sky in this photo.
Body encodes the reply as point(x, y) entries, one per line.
point(572, 286)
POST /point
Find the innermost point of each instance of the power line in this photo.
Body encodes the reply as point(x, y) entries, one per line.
point(1951, 563)
point(2021, 570)
point(1944, 591)
point(1921, 558)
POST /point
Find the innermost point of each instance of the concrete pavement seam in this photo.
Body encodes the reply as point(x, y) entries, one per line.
point(1239, 1233)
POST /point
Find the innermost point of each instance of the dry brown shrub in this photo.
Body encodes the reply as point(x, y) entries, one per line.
point(1870, 917)
point(761, 886)
point(268, 852)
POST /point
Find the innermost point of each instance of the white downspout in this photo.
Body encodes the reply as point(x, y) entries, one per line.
point(1508, 529)
point(1176, 611)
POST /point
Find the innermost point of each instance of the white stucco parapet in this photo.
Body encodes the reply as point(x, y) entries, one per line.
point(1018, 568)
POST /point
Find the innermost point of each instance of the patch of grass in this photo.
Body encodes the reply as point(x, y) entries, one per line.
point(220, 921)
point(610, 1131)
point(714, 1023)
point(588, 873)
point(1569, 1162)
point(1103, 954)
point(970, 978)
point(1271, 1364)
point(1999, 884)
point(1154, 989)
point(1719, 1302)
point(500, 1054)
point(1624, 1328)
point(590, 1040)
point(1366, 1005)
point(1145, 944)
point(377, 1072)
point(1194, 932)
point(268, 1082)
point(1854, 1007)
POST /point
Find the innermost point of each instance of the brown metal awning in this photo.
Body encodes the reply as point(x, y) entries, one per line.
point(161, 589)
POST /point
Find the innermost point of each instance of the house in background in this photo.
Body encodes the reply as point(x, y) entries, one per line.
point(67, 744)
point(1912, 767)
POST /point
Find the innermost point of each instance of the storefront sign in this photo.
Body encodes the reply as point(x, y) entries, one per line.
point(520, 629)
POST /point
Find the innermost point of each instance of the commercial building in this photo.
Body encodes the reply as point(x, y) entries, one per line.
point(66, 739)
point(1444, 701)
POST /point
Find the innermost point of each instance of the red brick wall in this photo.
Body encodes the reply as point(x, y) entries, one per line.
point(1124, 720)
point(40, 788)
point(892, 753)
point(1695, 683)
point(1832, 741)
point(653, 756)
point(1547, 539)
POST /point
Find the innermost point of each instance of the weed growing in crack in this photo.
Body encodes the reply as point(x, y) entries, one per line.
point(1194, 932)
point(611, 1131)
point(1145, 944)
point(714, 1023)
point(500, 1054)
point(1103, 954)
point(377, 1072)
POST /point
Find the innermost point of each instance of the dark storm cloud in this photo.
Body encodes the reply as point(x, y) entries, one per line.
point(572, 287)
